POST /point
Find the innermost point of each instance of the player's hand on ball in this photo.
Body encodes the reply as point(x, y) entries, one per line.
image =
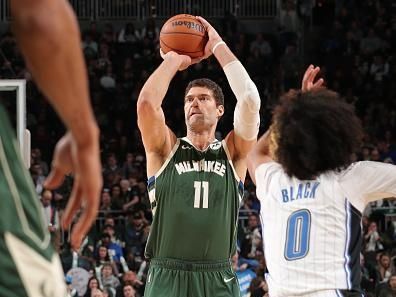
point(84, 162)
point(183, 60)
point(309, 77)
point(213, 37)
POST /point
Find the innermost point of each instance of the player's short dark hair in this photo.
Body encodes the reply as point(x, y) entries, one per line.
point(314, 132)
point(209, 84)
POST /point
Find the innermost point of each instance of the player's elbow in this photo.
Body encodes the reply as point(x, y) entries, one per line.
point(252, 97)
point(145, 105)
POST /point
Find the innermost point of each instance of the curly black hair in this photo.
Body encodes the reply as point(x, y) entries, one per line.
point(314, 132)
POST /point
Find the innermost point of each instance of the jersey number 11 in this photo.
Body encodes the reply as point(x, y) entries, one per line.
point(204, 188)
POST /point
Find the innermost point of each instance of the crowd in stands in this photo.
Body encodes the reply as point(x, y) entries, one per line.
point(355, 49)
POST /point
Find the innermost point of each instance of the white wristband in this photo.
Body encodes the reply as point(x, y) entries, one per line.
point(216, 45)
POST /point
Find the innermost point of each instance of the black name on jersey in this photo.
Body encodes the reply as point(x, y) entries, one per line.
point(302, 191)
point(202, 165)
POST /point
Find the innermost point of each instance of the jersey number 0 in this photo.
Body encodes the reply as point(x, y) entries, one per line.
point(297, 235)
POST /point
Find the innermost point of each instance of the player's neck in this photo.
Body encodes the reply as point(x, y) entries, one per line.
point(201, 140)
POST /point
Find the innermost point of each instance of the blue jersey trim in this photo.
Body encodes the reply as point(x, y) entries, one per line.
point(150, 181)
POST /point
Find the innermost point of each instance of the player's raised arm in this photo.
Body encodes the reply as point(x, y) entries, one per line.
point(157, 137)
point(260, 154)
point(246, 115)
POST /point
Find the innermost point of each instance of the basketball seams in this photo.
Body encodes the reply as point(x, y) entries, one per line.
point(181, 16)
point(183, 34)
point(182, 19)
point(177, 50)
point(186, 33)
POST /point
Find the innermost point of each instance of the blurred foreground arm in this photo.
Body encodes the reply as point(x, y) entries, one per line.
point(48, 35)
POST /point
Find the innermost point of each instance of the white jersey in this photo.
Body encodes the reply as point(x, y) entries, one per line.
point(312, 229)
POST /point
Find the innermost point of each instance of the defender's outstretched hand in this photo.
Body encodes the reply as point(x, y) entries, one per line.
point(309, 77)
point(84, 162)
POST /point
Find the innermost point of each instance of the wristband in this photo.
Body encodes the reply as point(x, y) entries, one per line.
point(216, 45)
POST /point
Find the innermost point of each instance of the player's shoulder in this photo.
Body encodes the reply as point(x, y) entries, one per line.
point(360, 167)
point(269, 166)
point(266, 169)
point(265, 175)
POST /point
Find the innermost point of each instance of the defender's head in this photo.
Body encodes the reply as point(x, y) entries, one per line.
point(314, 132)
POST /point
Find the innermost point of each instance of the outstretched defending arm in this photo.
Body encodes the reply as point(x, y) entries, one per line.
point(260, 154)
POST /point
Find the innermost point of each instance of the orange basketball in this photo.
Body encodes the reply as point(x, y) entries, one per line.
point(185, 35)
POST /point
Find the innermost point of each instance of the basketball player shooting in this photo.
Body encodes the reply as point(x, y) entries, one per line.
point(195, 183)
point(312, 196)
point(48, 35)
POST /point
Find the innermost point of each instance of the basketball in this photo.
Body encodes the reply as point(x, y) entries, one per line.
point(185, 35)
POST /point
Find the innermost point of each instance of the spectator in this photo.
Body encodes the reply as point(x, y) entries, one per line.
point(106, 203)
point(150, 31)
point(134, 233)
point(92, 285)
point(128, 34)
point(130, 278)
point(51, 216)
point(373, 239)
point(109, 229)
point(37, 177)
point(90, 46)
point(383, 269)
point(118, 229)
point(111, 166)
point(36, 158)
point(108, 278)
point(129, 291)
point(102, 256)
point(252, 238)
point(390, 289)
point(114, 249)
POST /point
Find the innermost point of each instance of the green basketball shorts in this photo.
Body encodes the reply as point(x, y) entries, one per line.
point(175, 278)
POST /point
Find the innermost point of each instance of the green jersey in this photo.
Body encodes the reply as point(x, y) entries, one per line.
point(195, 198)
point(29, 265)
